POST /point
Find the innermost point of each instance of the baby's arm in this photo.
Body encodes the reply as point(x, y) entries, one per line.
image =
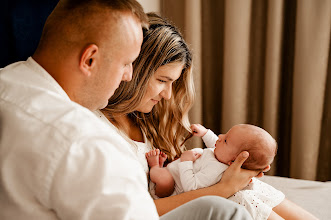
point(208, 172)
point(189, 155)
point(198, 130)
point(208, 137)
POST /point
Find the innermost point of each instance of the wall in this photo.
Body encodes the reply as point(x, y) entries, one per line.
point(150, 5)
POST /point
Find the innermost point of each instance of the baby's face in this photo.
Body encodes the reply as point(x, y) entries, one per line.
point(228, 145)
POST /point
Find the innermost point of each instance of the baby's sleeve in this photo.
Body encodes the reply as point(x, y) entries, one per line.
point(210, 139)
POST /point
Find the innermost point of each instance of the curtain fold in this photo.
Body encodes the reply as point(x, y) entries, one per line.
point(236, 63)
point(324, 161)
point(193, 25)
point(312, 45)
point(265, 63)
point(272, 69)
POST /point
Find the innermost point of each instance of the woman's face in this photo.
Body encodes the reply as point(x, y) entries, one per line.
point(160, 86)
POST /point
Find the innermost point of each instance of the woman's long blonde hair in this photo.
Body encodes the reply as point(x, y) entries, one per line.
point(167, 124)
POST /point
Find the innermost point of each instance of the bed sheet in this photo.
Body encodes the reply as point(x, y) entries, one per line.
point(313, 196)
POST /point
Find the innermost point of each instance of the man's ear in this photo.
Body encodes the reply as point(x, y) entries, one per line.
point(88, 59)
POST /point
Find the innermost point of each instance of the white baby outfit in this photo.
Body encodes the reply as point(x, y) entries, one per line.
point(258, 197)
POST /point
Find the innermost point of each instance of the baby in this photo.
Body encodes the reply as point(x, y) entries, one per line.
point(199, 168)
point(261, 146)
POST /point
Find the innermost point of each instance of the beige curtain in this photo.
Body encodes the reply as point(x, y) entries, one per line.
point(267, 63)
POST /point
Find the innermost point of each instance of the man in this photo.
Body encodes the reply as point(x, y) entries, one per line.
point(57, 160)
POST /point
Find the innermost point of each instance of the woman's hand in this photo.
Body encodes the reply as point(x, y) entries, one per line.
point(235, 178)
point(261, 174)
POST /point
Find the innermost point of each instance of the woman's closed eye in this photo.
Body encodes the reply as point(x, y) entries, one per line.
point(162, 81)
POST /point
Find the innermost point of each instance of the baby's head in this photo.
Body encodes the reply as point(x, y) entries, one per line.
point(260, 145)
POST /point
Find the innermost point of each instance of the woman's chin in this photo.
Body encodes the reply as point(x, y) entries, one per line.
point(145, 110)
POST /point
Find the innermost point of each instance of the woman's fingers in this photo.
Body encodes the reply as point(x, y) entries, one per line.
point(237, 177)
point(261, 174)
point(241, 158)
point(267, 168)
point(236, 165)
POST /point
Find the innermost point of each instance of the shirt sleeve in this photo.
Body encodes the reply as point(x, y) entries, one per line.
point(110, 185)
point(210, 139)
point(209, 174)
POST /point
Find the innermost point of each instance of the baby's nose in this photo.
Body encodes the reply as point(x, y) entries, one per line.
point(220, 137)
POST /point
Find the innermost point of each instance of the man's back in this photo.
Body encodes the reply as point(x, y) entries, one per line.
point(57, 160)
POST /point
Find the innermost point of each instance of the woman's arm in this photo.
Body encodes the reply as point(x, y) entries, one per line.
point(233, 180)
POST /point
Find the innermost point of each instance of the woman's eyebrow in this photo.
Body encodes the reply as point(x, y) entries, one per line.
point(168, 78)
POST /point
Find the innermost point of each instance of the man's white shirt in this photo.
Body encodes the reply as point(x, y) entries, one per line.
point(58, 160)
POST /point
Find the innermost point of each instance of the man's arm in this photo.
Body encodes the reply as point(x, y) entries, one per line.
point(95, 180)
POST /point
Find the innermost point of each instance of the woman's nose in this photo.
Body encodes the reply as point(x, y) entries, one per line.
point(166, 93)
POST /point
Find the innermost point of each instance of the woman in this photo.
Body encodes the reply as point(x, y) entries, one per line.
point(152, 109)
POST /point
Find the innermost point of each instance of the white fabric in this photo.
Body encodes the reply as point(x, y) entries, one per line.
point(57, 160)
point(258, 197)
point(138, 148)
point(210, 139)
point(204, 172)
point(314, 196)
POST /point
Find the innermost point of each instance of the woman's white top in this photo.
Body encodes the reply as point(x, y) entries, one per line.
point(58, 160)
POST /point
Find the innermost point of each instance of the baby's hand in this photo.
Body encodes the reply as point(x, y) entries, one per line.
point(189, 155)
point(198, 130)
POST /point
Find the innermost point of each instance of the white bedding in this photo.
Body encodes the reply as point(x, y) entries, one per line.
point(313, 196)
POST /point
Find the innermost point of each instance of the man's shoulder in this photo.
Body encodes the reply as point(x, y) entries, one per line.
point(39, 108)
point(29, 93)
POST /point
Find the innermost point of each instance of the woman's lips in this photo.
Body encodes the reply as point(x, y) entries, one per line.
point(155, 101)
